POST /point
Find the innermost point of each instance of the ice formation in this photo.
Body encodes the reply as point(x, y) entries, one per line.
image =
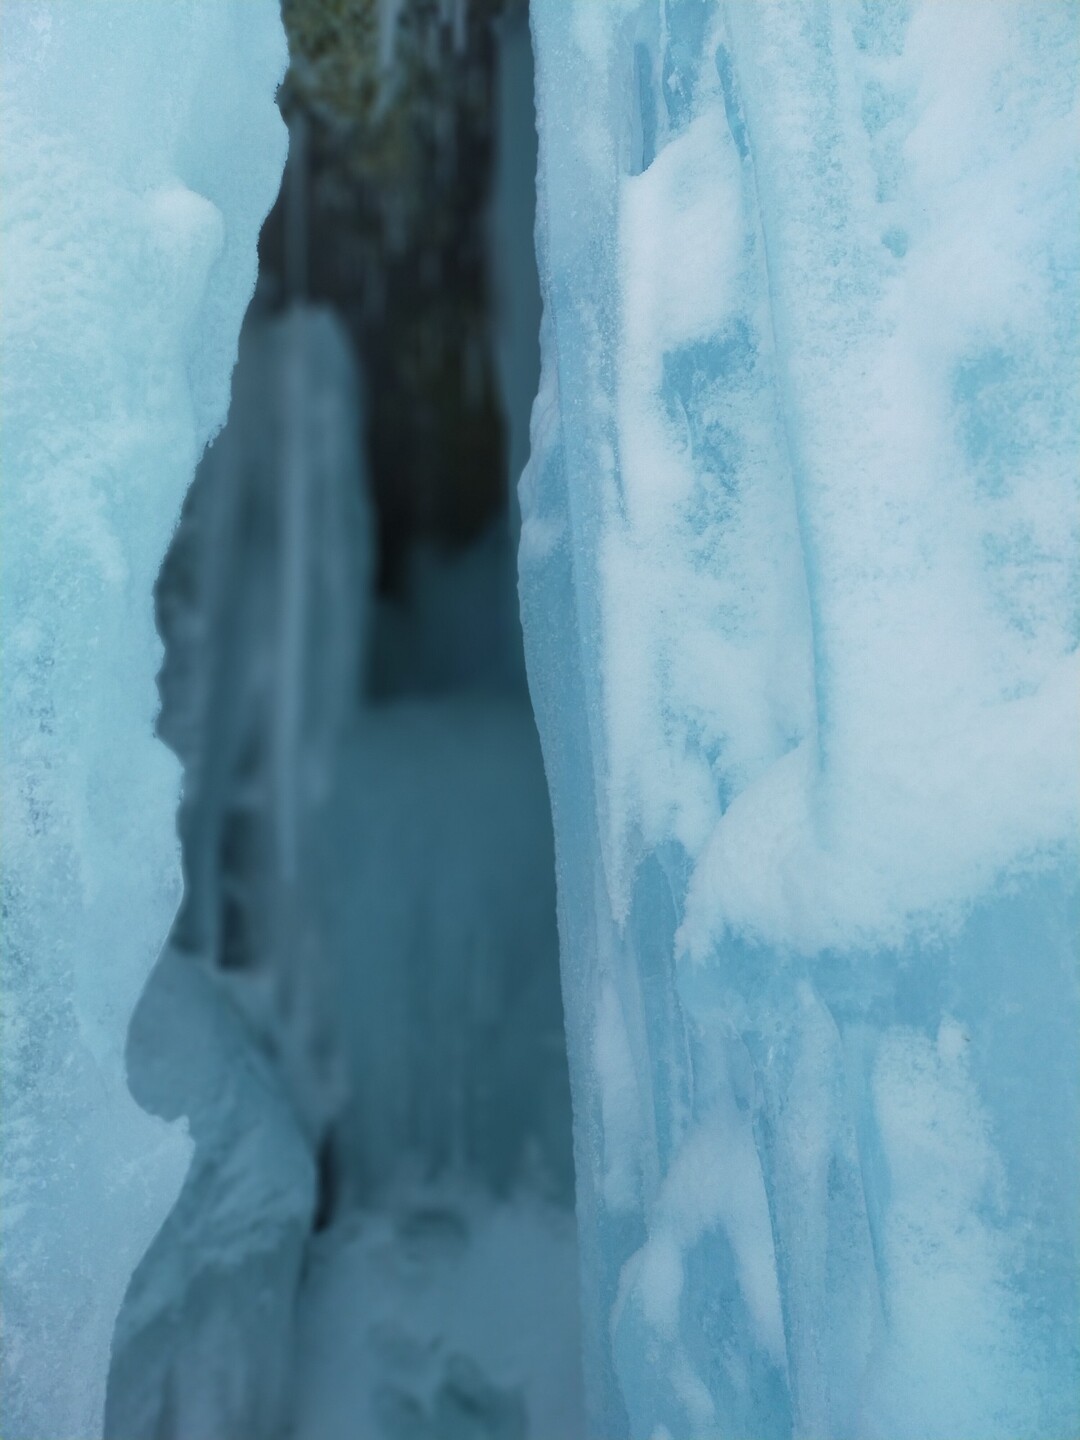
point(798, 581)
point(142, 149)
point(355, 974)
point(205, 1340)
point(449, 993)
point(261, 603)
point(452, 1318)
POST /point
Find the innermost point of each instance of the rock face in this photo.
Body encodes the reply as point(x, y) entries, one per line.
point(798, 582)
point(142, 151)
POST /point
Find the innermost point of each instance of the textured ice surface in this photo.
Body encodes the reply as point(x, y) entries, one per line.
point(204, 1347)
point(799, 591)
point(261, 603)
point(141, 150)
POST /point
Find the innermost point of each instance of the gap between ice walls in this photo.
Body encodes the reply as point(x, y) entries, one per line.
point(798, 578)
point(142, 150)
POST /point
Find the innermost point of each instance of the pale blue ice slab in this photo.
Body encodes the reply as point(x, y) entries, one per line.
point(799, 591)
point(142, 149)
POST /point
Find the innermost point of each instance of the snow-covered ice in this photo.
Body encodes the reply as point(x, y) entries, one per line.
point(263, 603)
point(799, 571)
point(142, 149)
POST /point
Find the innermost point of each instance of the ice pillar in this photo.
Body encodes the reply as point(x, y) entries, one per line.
point(141, 151)
point(798, 569)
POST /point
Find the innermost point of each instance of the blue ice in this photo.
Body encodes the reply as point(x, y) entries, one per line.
point(141, 151)
point(799, 572)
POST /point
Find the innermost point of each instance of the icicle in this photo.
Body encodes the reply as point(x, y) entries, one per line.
point(294, 491)
point(293, 613)
point(296, 212)
point(461, 14)
point(389, 19)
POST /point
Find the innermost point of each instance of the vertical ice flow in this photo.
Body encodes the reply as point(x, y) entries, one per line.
point(798, 573)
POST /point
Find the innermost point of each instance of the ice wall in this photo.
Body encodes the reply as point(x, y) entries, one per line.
point(141, 150)
point(205, 1342)
point(262, 605)
point(799, 585)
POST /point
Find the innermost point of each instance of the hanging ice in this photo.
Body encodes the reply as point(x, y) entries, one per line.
point(262, 607)
point(799, 580)
point(141, 150)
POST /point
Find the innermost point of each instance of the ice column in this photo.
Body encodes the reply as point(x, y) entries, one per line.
point(261, 600)
point(799, 580)
point(142, 149)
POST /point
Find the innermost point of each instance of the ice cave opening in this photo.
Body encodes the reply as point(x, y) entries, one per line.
point(358, 1010)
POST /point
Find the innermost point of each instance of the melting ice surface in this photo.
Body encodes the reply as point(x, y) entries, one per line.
point(141, 150)
point(799, 591)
